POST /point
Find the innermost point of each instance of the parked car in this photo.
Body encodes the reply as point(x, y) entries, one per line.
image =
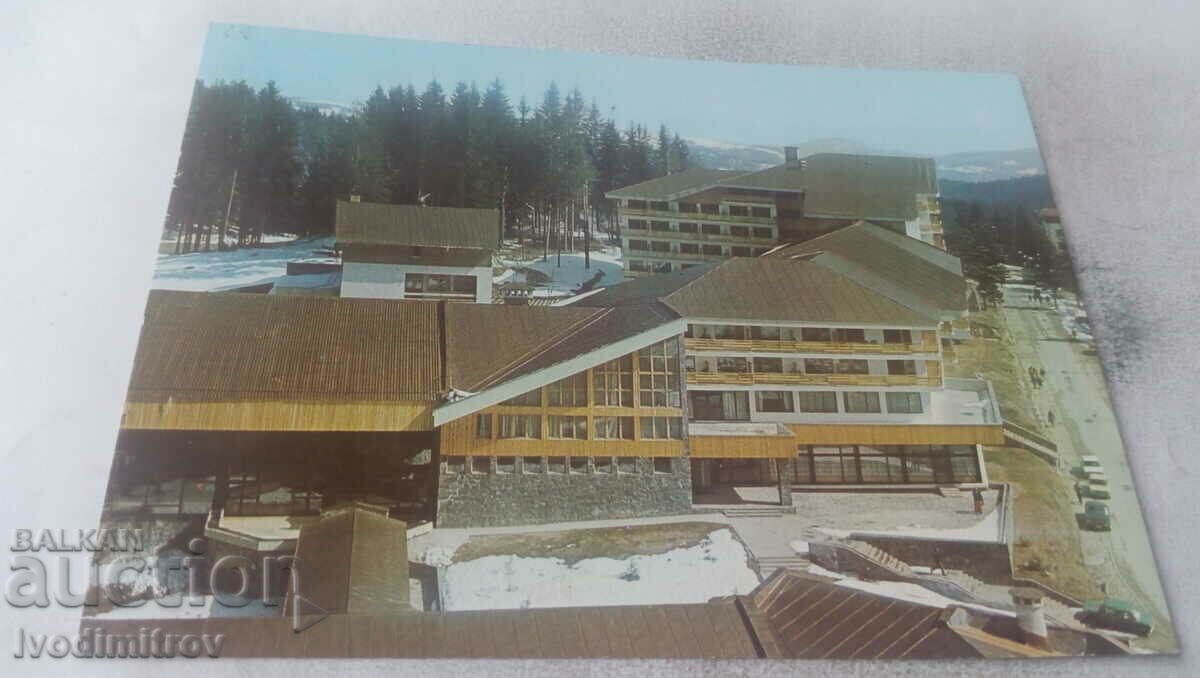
point(1098, 486)
point(1091, 464)
point(1096, 516)
point(1118, 615)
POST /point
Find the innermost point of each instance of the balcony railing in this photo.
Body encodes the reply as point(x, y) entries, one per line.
point(727, 238)
point(693, 216)
point(787, 378)
point(775, 346)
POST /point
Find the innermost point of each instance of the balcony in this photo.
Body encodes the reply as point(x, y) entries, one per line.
point(694, 216)
point(787, 378)
point(773, 346)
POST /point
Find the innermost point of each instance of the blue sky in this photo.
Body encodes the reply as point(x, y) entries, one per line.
point(925, 113)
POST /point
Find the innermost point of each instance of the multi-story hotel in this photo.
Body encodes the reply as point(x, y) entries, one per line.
point(824, 365)
point(677, 221)
point(416, 252)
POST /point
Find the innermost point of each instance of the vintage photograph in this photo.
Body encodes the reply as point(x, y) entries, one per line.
point(469, 351)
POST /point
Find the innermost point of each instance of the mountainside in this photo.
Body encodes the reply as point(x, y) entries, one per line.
point(981, 166)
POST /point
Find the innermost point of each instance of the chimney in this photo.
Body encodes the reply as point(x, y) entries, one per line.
point(1031, 620)
point(791, 157)
point(354, 197)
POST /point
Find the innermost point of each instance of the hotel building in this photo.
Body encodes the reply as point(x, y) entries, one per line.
point(698, 215)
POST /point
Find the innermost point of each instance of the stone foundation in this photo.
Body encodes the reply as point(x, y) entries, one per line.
point(496, 499)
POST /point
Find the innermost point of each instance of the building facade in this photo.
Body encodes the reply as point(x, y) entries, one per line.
point(416, 252)
point(677, 221)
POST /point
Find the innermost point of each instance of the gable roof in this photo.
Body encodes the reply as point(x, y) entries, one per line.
point(764, 289)
point(672, 186)
point(382, 225)
point(229, 346)
point(905, 269)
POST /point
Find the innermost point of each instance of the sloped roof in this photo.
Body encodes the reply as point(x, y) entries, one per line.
point(223, 346)
point(488, 344)
point(672, 186)
point(907, 269)
point(382, 225)
point(764, 289)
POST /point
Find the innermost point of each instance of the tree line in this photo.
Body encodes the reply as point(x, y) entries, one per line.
point(253, 163)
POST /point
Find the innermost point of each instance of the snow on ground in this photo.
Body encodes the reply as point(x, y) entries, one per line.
point(208, 271)
point(211, 607)
point(986, 530)
point(715, 567)
point(570, 274)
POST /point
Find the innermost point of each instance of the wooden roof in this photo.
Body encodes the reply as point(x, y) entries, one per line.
point(672, 186)
point(382, 225)
point(227, 346)
point(704, 630)
point(764, 289)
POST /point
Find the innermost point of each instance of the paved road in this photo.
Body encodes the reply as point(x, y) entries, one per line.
point(1076, 392)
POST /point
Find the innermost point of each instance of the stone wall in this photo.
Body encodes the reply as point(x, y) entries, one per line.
point(492, 499)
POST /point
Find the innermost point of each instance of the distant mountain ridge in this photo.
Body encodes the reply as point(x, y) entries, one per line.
point(974, 167)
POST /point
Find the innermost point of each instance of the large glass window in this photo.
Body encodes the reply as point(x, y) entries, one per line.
point(271, 492)
point(816, 334)
point(688, 227)
point(637, 224)
point(483, 426)
point(710, 229)
point(851, 366)
point(439, 286)
point(659, 375)
point(849, 335)
point(613, 428)
point(904, 403)
point(642, 245)
point(897, 337)
point(712, 250)
point(773, 401)
point(765, 332)
point(902, 367)
point(521, 426)
point(660, 226)
point(569, 392)
point(660, 246)
point(771, 365)
point(817, 402)
point(719, 405)
point(862, 402)
point(566, 428)
point(735, 365)
point(689, 248)
point(612, 383)
point(662, 428)
point(819, 365)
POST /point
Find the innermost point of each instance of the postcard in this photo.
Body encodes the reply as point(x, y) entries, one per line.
point(467, 351)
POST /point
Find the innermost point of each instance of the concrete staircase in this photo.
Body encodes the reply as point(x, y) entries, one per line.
point(753, 511)
point(768, 564)
point(881, 558)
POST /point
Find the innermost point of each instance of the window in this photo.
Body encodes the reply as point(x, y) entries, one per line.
point(481, 464)
point(660, 225)
point(578, 464)
point(761, 212)
point(772, 333)
point(818, 402)
point(710, 208)
point(689, 207)
point(734, 365)
point(439, 286)
point(711, 250)
point(603, 464)
point(897, 337)
point(613, 428)
point(483, 426)
point(638, 265)
point(639, 245)
point(710, 229)
point(527, 426)
point(904, 403)
point(556, 464)
point(739, 231)
point(740, 252)
point(760, 232)
point(689, 248)
point(660, 206)
point(661, 266)
point(729, 332)
point(626, 464)
point(659, 375)
point(739, 211)
point(851, 366)
point(612, 383)
point(688, 227)
point(902, 367)
point(769, 365)
point(531, 399)
point(660, 246)
point(819, 365)
point(773, 401)
point(662, 464)
point(567, 428)
point(531, 464)
point(506, 464)
point(719, 405)
point(816, 334)
point(637, 224)
point(261, 492)
point(569, 392)
point(637, 204)
point(849, 335)
point(455, 464)
point(662, 428)
point(861, 402)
